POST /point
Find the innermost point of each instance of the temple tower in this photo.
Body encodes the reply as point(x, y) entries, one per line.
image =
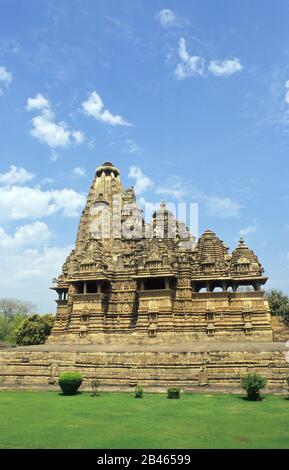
point(124, 283)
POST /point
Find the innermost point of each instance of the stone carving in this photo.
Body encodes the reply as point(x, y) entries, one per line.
point(203, 379)
point(110, 284)
point(53, 373)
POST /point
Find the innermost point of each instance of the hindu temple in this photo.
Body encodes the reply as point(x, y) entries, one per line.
point(131, 281)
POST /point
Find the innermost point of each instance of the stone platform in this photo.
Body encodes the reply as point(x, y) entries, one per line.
point(202, 366)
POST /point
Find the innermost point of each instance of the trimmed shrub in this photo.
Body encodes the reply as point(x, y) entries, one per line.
point(252, 384)
point(70, 382)
point(138, 391)
point(173, 392)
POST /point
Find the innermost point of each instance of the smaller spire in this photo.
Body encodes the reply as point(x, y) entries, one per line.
point(242, 243)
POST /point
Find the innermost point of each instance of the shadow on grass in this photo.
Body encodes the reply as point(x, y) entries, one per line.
point(249, 399)
point(61, 394)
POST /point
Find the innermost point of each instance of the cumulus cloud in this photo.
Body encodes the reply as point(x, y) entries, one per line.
point(15, 176)
point(33, 234)
point(247, 230)
point(46, 129)
point(190, 65)
point(78, 172)
point(194, 65)
point(22, 202)
point(142, 182)
point(225, 68)
point(94, 107)
point(38, 103)
point(5, 79)
point(29, 271)
point(166, 17)
point(30, 263)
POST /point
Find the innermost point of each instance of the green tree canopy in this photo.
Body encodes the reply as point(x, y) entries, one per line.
point(34, 330)
point(12, 313)
point(278, 302)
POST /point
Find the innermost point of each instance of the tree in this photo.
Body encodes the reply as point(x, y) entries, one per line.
point(8, 325)
point(12, 314)
point(11, 307)
point(34, 330)
point(279, 303)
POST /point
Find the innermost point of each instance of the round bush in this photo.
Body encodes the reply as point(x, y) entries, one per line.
point(70, 382)
point(173, 393)
point(253, 383)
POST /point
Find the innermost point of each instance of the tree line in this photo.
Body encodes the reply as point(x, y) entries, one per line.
point(20, 325)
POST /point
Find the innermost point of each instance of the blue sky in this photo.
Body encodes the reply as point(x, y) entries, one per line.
point(188, 98)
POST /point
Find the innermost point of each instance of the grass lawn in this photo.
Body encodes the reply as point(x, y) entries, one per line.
point(118, 420)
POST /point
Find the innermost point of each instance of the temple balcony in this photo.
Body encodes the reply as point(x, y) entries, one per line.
point(155, 293)
point(93, 297)
point(225, 295)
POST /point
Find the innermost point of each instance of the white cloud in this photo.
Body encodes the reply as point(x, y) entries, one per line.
point(142, 182)
point(36, 233)
point(47, 180)
point(78, 137)
point(225, 68)
point(194, 65)
point(175, 187)
point(5, 78)
point(132, 147)
point(221, 207)
point(247, 230)
point(166, 17)
point(46, 129)
point(33, 263)
point(189, 65)
point(37, 103)
point(94, 107)
point(15, 176)
point(54, 135)
point(27, 273)
point(22, 202)
point(180, 188)
point(78, 172)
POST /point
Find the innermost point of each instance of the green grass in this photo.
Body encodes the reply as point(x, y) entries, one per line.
point(118, 420)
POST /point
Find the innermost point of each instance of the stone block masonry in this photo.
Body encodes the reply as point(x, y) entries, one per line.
point(216, 366)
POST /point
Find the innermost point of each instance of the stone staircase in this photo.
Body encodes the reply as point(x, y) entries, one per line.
point(280, 329)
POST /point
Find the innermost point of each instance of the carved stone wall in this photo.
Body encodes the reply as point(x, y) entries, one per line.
point(159, 369)
point(151, 289)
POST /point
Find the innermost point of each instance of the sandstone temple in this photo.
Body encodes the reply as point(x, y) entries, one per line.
point(131, 281)
point(143, 302)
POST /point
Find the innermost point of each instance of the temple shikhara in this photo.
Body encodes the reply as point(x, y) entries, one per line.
point(128, 281)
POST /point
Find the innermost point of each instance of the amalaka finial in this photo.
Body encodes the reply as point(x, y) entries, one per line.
point(241, 242)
